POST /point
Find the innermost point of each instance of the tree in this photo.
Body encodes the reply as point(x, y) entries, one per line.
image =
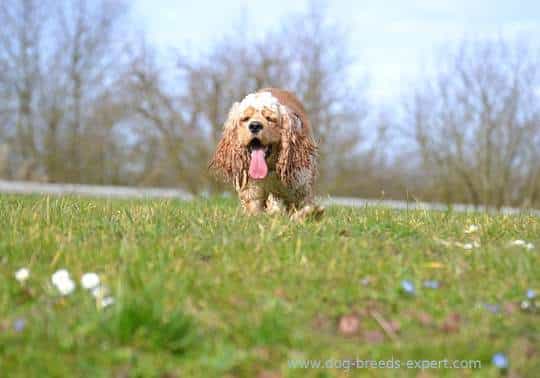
point(337, 107)
point(21, 43)
point(477, 124)
point(88, 63)
point(59, 61)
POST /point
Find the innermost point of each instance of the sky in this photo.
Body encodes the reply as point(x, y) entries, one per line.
point(394, 41)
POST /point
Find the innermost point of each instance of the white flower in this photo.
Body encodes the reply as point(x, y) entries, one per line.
point(59, 276)
point(472, 228)
point(90, 281)
point(522, 243)
point(467, 246)
point(66, 286)
point(518, 242)
point(22, 275)
point(63, 282)
point(106, 302)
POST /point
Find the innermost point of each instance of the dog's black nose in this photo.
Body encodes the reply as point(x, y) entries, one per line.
point(255, 127)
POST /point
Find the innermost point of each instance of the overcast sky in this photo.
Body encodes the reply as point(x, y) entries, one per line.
point(393, 40)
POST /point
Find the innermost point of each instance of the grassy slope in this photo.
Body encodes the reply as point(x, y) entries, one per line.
point(204, 291)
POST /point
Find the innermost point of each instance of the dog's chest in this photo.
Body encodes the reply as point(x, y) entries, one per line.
point(270, 184)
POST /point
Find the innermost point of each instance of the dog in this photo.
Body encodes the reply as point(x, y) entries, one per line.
point(268, 152)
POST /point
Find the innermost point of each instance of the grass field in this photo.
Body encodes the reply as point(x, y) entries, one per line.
point(202, 291)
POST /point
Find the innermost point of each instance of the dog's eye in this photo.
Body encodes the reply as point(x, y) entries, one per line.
point(270, 119)
point(244, 119)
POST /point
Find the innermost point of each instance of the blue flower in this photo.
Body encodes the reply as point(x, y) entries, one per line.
point(431, 284)
point(531, 294)
point(408, 287)
point(500, 360)
point(493, 308)
point(19, 324)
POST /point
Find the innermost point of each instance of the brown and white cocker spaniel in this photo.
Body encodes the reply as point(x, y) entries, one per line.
point(268, 152)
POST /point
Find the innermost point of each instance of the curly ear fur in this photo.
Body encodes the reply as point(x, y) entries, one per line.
point(230, 160)
point(298, 150)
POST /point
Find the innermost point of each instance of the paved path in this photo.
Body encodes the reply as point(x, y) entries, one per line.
point(23, 187)
point(403, 205)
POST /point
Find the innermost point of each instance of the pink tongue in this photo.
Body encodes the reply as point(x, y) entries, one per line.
point(257, 167)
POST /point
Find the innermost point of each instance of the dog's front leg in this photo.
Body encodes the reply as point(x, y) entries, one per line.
point(253, 206)
point(275, 205)
point(307, 208)
point(252, 198)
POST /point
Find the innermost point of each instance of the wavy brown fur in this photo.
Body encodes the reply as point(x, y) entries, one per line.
point(230, 159)
point(298, 151)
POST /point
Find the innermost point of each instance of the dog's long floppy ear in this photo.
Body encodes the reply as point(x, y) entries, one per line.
point(230, 160)
point(298, 152)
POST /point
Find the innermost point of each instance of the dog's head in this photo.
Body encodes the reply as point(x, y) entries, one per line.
point(263, 134)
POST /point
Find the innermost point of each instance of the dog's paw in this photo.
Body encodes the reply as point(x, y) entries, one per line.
point(308, 212)
point(275, 205)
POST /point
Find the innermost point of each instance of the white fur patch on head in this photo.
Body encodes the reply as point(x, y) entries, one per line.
point(259, 100)
point(229, 124)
